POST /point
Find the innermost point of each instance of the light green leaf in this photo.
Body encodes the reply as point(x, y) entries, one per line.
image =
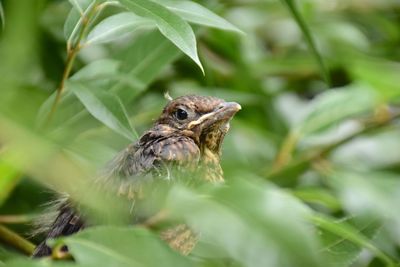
point(9, 178)
point(381, 75)
point(73, 21)
point(36, 263)
point(99, 69)
point(104, 106)
point(97, 73)
point(377, 193)
point(344, 242)
point(170, 25)
point(337, 105)
point(315, 195)
point(79, 5)
point(271, 222)
point(143, 61)
point(196, 13)
point(116, 26)
point(118, 246)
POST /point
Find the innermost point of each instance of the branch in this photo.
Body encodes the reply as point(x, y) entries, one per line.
point(11, 238)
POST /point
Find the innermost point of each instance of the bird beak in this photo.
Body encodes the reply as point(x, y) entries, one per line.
point(224, 112)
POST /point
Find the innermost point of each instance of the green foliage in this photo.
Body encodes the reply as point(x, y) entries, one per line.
point(311, 163)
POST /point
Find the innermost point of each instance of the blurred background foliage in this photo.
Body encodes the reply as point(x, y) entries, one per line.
point(312, 162)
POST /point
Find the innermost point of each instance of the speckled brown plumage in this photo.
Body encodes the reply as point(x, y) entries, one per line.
point(188, 134)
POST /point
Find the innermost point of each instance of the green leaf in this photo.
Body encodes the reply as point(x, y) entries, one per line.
point(79, 5)
point(381, 75)
point(41, 263)
point(344, 242)
point(141, 63)
point(196, 13)
point(99, 69)
point(97, 73)
point(118, 246)
point(73, 21)
point(309, 39)
point(170, 25)
point(144, 60)
point(9, 178)
point(262, 227)
point(105, 107)
point(337, 105)
point(377, 194)
point(116, 26)
point(316, 195)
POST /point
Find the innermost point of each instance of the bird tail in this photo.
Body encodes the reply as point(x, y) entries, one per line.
point(65, 223)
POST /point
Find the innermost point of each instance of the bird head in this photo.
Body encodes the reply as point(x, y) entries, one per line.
point(205, 119)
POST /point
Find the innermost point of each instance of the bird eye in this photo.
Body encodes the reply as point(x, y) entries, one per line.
point(181, 114)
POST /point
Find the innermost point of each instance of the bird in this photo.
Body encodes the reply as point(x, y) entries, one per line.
point(188, 135)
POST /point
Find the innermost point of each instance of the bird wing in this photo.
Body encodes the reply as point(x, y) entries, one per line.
point(154, 152)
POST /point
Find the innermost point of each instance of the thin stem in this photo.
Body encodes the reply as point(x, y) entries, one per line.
point(72, 51)
point(61, 88)
point(285, 153)
point(11, 238)
point(16, 219)
point(309, 39)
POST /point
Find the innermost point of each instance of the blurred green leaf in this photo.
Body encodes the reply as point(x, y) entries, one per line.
point(117, 246)
point(377, 193)
point(343, 242)
point(381, 75)
point(9, 178)
point(41, 263)
point(337, 105)
point(256, 223)
point(104, 106)
point(196, 13)
point(170, 25)
point(116, 26)
point(319, 196)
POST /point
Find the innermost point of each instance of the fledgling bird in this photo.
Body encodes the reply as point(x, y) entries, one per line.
point(188, 134)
